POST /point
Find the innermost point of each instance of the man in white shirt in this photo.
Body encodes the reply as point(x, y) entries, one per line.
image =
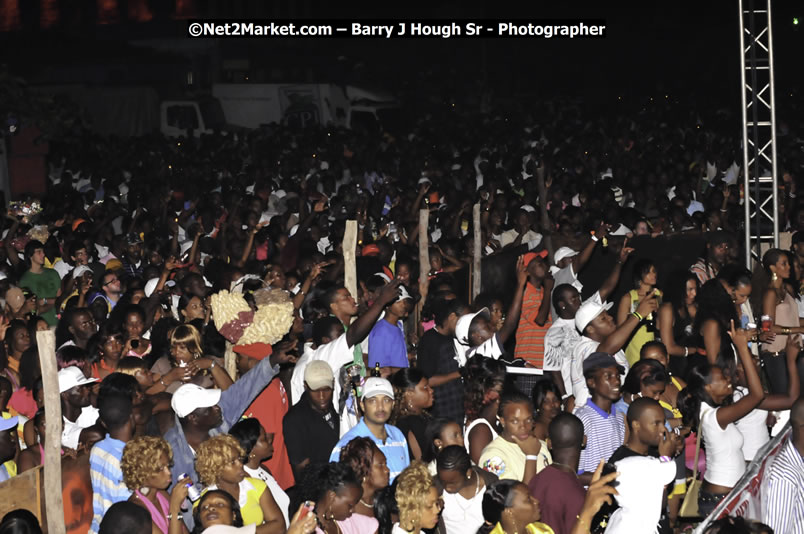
point(599, 333)
point(77, 411)
point(521, 233)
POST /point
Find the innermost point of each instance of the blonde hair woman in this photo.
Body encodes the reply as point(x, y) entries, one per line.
point(187, 363)
point(417, 499)
point(146, 471)
point(219, 464)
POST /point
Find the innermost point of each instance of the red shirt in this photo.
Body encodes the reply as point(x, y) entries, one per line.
point(269, 408)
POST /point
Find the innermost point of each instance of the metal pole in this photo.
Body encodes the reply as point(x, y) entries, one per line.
point(773, 133)
point(746, 182)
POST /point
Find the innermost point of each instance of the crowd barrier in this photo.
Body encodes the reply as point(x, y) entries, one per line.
point(745, 500)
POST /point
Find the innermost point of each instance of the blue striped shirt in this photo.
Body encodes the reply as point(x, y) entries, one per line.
point(107, 478)
point(605, 432)
point(783, 502)
point(395, 447)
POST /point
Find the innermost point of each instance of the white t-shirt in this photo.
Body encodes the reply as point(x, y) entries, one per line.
point(724, 455)
point(583, 348)
point(640, 484)
point(462, 515)
point(567, 275)
point(72, 431)
point(753, 427)
point(509, 236)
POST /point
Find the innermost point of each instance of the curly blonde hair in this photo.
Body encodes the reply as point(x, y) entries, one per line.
point(214, 455)
point(140, 457)
point(413, 485)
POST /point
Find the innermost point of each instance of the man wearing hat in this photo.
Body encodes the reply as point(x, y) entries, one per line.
point(599, 333)
point(132, 259)
point(377, 403)
point(311, 427)
point(201, 413)
point(388, 348)
point(534, 321)
point(570, 263)
point(521, 233)
point(76, 407)
point(604, 431)
point(8, 446)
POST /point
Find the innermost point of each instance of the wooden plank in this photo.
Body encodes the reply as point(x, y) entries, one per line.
point(424, 265)
point(46, 341)
point(477, 251)
point(22, 492)
point(230, 361)
point(349, 261)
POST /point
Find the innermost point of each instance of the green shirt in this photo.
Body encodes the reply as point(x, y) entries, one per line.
point(44, 285)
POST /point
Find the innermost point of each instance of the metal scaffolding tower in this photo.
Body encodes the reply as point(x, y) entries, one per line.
point(759, 129)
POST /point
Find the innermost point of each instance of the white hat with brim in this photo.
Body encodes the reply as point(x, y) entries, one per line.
point(465, 321)
point(71, 377)
point(587, 312)
point(190, 397)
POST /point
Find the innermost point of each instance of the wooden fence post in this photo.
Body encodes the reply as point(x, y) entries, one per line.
point(477, 251)
point(424, 265)
point(54, 505)
point(349, 261)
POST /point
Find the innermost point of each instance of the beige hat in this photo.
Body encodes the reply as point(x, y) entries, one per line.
point(15, 299)
point(318, 374)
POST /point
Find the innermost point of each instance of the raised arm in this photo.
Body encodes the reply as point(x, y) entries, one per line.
point(363, 324)
point(610, 283)
point(741, 408)
point(515, 310)
point(619, 337)
point(579, 261)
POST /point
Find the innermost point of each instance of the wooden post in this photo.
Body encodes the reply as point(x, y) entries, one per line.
point(46, 342)
point(477, 252)
point(424, 265)
point(230, 361)
point(349, 262)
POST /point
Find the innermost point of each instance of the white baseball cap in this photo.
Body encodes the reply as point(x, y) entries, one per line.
point(318, 374)
point(71, 377)
point(377, 386)
point(190, 397)
point(464, 321)
point(80, 270)
point(564, 252)
point(587, 312)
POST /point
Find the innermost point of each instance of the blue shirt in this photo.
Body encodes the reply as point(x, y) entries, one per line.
point(387, 345)
point(395, 447)
point(107, 478)
point(605, 432)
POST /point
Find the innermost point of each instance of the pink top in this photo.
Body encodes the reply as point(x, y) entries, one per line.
point(158, 517)
point(22, 402)
point(356, 524)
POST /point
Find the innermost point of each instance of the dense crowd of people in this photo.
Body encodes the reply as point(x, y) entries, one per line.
point(395, 407)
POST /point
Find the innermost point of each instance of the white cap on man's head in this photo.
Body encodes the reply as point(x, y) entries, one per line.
point(564, 252)
point(190, 397)
point(587, 312)
point(375, 386)
point(465, 321)
point(318, 374)
point(72, 376)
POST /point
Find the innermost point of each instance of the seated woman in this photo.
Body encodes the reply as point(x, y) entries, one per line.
point(146, 471)
point(368, 463)
point(186, 364)
point(508, 508)
point(463, 486)
point(219, 463)
point(334, 491)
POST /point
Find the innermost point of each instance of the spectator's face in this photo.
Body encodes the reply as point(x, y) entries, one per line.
point(720, 253)
point(344, 303)
point(550, 407)
point(481, 333)
point(83, 325)
point(38, 257)
point(571, 302)
point(782, 267)
point(79, 396)
point(379, 474)
point(111, 284)
point(161, 478)
point(453, 481)
point(321, 398)
point(450, 435)
point(195, 310)
point(81, 257)
point(537, 268)
point(134, 252)
point(524, 507)
point(264, 448)
point(145, 378)
point(403, 273)
point(741, 294)
point(180, 353)
point(431, 508)
point(133, 325)
point(233, 472)
point(649, 278)
point(642, 228)
point(422, 395)
point(208, 417)
point(653, 391)
point(691, 292)
point(113, 347)
point(517, 420)
point(402, 308)
point(344, 502)
point(606, 383)
point(651, 425)
point(602, 326)
point(377, 409)
point(21, 340)
point(719, 387)
point(215, 509)
point(496, 311)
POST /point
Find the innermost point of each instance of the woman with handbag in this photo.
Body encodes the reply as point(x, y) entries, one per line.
point(703, 404)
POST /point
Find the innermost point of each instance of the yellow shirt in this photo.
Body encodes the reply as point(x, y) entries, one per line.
point(251, 489)
point(506, 459)
point(532, 528)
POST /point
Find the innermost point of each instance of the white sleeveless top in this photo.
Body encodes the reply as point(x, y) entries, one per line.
point(479, 420)
point(753, 427)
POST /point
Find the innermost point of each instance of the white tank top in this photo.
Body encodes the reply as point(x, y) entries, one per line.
point(724, 449)
point(479, 420)
point(753, 427)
